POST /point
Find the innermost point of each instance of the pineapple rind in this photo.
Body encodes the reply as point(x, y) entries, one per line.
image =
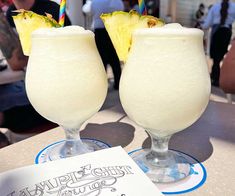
point(26, 22)
point(120, 25)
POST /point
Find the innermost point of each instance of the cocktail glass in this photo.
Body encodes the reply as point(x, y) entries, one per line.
point(165, 88)
point(66, 83)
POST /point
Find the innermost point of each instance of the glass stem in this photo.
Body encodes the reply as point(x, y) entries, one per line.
point(160, 144)
point(72, 134)
point(159, 154)
point(73, 145)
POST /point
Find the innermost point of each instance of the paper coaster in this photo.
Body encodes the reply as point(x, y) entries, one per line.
point(42, 155)
point(195, 180)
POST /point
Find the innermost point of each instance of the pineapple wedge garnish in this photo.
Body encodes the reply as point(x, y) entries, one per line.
point(26, 22)
point(120, 26)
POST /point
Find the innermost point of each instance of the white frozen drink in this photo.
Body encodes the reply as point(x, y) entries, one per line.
point(65, 79)
point(165, 84)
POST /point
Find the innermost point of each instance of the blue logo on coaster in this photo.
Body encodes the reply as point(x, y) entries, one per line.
point(196, 178)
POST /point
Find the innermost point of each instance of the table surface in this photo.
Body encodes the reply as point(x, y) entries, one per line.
point(211, 140)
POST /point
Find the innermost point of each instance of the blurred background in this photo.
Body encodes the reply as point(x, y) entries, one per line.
point(181, 11)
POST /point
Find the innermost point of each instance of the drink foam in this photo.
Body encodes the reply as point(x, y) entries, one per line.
point(169, 29)
point(68, 30)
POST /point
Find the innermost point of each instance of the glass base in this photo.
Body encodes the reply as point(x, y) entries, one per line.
point(172, 168)
point(66, 148)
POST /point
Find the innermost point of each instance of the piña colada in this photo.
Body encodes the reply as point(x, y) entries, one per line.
point(65, 79)
point(164, 87)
